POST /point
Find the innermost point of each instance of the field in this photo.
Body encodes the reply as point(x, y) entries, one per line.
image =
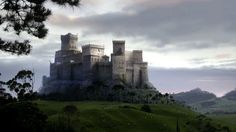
point(121, 117)
point(228, 120)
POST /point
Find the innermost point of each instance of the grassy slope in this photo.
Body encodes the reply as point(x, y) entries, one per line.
point(108, 116)
point(227, 120)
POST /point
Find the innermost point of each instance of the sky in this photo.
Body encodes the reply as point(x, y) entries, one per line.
point(187, 43)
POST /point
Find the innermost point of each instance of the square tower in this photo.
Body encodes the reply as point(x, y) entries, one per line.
point(118, 47)
point(69, 42)
point(118, 60)
point(137, 56)
point(92, 54)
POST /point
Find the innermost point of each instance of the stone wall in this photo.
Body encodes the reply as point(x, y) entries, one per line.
point(103, 71)
point(144, 73)
point(65, 56)
point(77, 71)
point(118, 67)
point(136, 75)
point(95, 50)
point(137, 56)
point(129, 76)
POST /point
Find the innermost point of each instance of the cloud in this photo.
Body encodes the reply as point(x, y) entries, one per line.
point(172, 33)
point(186, 25)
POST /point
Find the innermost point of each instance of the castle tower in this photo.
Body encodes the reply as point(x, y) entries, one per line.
point(118, 47)
point(137, 56)
point(91, 55)
point(118, 61)
point(69, 41)
point(144, 74)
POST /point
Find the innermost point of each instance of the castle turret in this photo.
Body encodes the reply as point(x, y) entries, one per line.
point(91, 55)
point(69, 42)
point(118, 47)
point(137, 56)
point(118, 61)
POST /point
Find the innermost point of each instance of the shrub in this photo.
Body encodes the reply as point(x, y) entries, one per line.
point(146, 108)
point(22, 116)
point(70, 110)
point(127, 107)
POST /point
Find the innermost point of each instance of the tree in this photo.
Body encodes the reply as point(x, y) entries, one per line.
point(146, 108)
point(26, 16)
point(155, 98)
point(70, 110)
point(119, 89)
point(100, 89)
point(132, 95)
point(147, 97)
point(22, 85)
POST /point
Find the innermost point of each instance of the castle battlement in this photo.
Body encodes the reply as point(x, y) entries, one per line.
point(91, 64)
point(93, 46)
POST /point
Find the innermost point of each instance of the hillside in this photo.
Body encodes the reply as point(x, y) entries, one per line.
point(121, 117)
point(228, 119)
point(231, 95)
point(205, 102)
point(193, 96)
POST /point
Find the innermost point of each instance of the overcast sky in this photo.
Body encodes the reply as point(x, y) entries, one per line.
point(187, 43)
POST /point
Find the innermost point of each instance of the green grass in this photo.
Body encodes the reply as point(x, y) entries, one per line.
point(113, 117)
point(227, 120)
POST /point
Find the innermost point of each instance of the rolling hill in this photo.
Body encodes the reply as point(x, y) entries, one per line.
point(230, 95)
point(194, 96)
point(123, 117)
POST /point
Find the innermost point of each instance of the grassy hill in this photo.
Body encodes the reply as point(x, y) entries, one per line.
point(224, 119)
point(121, 117)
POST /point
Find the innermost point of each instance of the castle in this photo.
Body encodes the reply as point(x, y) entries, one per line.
point(73, 67)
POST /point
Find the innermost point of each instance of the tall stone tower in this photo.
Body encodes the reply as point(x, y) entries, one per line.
point(118, 60)
point(68, 42)
point(91, 54)
point(66, 58)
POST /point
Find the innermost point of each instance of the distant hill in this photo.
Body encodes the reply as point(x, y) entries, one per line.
point(194, 96)
point(206, 102)
point(231, 95)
